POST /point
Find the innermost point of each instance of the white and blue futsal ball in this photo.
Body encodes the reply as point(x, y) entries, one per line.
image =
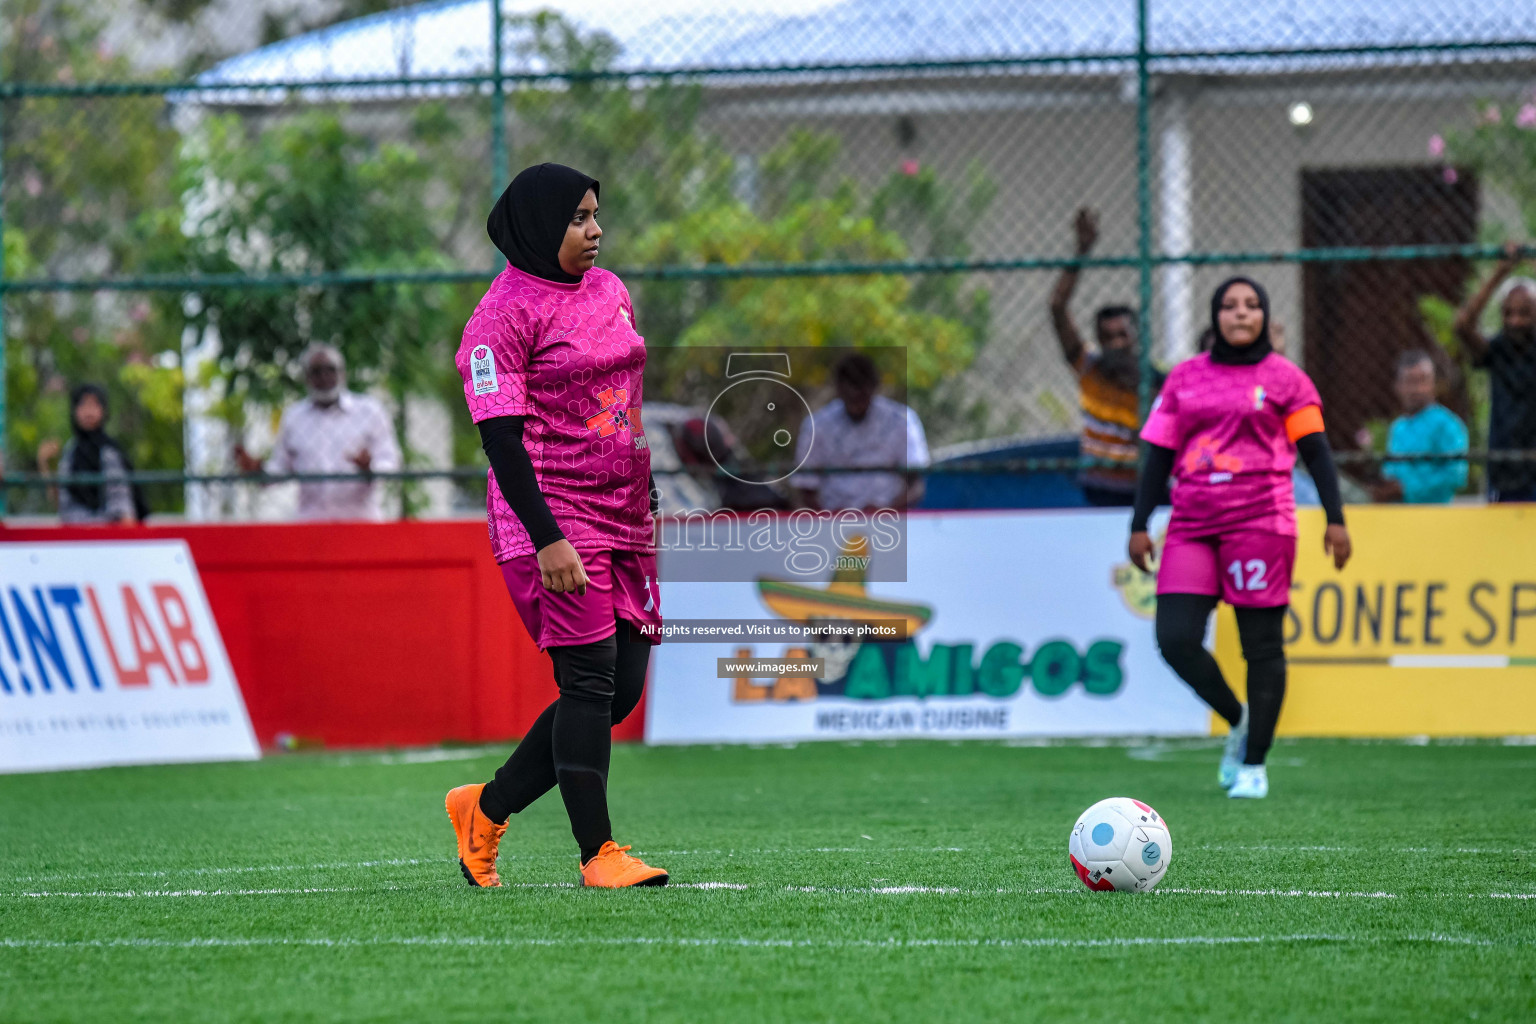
point(1121, 844)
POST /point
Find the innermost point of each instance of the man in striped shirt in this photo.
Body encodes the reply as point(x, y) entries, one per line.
point(1107, 383)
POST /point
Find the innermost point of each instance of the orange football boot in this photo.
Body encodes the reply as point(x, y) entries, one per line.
point(478, 836)
point(613, 868)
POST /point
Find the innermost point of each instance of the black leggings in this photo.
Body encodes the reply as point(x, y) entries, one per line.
point(570, 742)
point(1181, 620)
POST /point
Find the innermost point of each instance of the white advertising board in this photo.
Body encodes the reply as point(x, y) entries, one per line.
point(109, 655)
point(1024, 624)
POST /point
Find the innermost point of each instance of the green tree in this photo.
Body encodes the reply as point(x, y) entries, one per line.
point(810, 220)
point(306, 195)
point(807, 213)
point(646, 141)
point(79, 173)
point(675, 198)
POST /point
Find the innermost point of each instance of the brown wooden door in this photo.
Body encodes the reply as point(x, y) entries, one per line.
point(1359, 316)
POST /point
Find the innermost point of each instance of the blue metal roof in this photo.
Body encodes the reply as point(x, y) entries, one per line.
point(901, 30)
point(451, 37)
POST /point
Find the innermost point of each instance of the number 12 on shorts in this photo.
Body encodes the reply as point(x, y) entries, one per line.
point(1255, 568)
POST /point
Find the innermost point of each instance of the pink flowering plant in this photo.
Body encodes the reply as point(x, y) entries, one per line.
point(1497, 144)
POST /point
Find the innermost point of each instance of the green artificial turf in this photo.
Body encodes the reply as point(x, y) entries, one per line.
point(886, 882)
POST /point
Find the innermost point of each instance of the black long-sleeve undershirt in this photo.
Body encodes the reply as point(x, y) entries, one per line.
point(1151, 485)
point(1316, 453)
point(1313, 449)
point(502, 439)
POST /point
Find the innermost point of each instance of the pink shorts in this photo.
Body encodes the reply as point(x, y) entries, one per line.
point(622, 586)
point(1246, 569)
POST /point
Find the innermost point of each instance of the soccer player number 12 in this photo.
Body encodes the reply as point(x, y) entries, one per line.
point(1256, 570)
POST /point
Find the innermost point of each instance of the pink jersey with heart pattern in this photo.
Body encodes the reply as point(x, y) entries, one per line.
point(566, 357)
point(1230, 428)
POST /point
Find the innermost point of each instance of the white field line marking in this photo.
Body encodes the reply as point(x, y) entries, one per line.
point(1443, 851)
point(1096, 742)
point(1263, 848)
point(898, 890)
point(428, 756)
point(257, 869)
point(882, 890)
point(742, 942)
point(807, 849)
point(1463, 849)
point(669, 885)
point(134, 894)
point(1277, 892)
point(438, 861)
point(902, 890)
point(1169, 753)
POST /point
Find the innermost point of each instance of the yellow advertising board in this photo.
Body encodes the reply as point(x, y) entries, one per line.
point(1430, 629)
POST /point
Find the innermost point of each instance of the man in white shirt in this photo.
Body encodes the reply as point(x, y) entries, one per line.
point(860, 428)
point(332, 431)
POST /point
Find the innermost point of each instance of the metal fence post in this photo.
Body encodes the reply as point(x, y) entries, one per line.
point(1144, 202)
point(498, 107)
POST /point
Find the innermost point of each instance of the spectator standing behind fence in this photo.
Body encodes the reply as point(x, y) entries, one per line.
point(333, 431)
point(1425, 428)
point(1107, 383)
point(860, 427)
point(92, 451)
point(1510, 359)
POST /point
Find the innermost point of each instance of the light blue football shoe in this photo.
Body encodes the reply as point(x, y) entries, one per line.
point(1236, 750)
point(1252, 783)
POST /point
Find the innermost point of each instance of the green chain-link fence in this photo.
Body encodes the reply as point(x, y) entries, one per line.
point(181, 223)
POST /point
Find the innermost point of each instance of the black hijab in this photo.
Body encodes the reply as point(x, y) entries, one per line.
point(528, 222)
point(86, 457)
point(1224, 351)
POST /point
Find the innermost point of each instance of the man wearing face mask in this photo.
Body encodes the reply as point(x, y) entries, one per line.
point(333, 431)
point(1510, 359)
point(1108, 383)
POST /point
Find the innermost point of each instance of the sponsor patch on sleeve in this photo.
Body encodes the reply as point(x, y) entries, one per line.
point(482, 370)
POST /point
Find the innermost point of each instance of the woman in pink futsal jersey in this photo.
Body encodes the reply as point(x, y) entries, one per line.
point(552, 370)
point(1227, 427)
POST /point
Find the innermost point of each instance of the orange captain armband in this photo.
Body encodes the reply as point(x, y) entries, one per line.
point(1304, 421)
